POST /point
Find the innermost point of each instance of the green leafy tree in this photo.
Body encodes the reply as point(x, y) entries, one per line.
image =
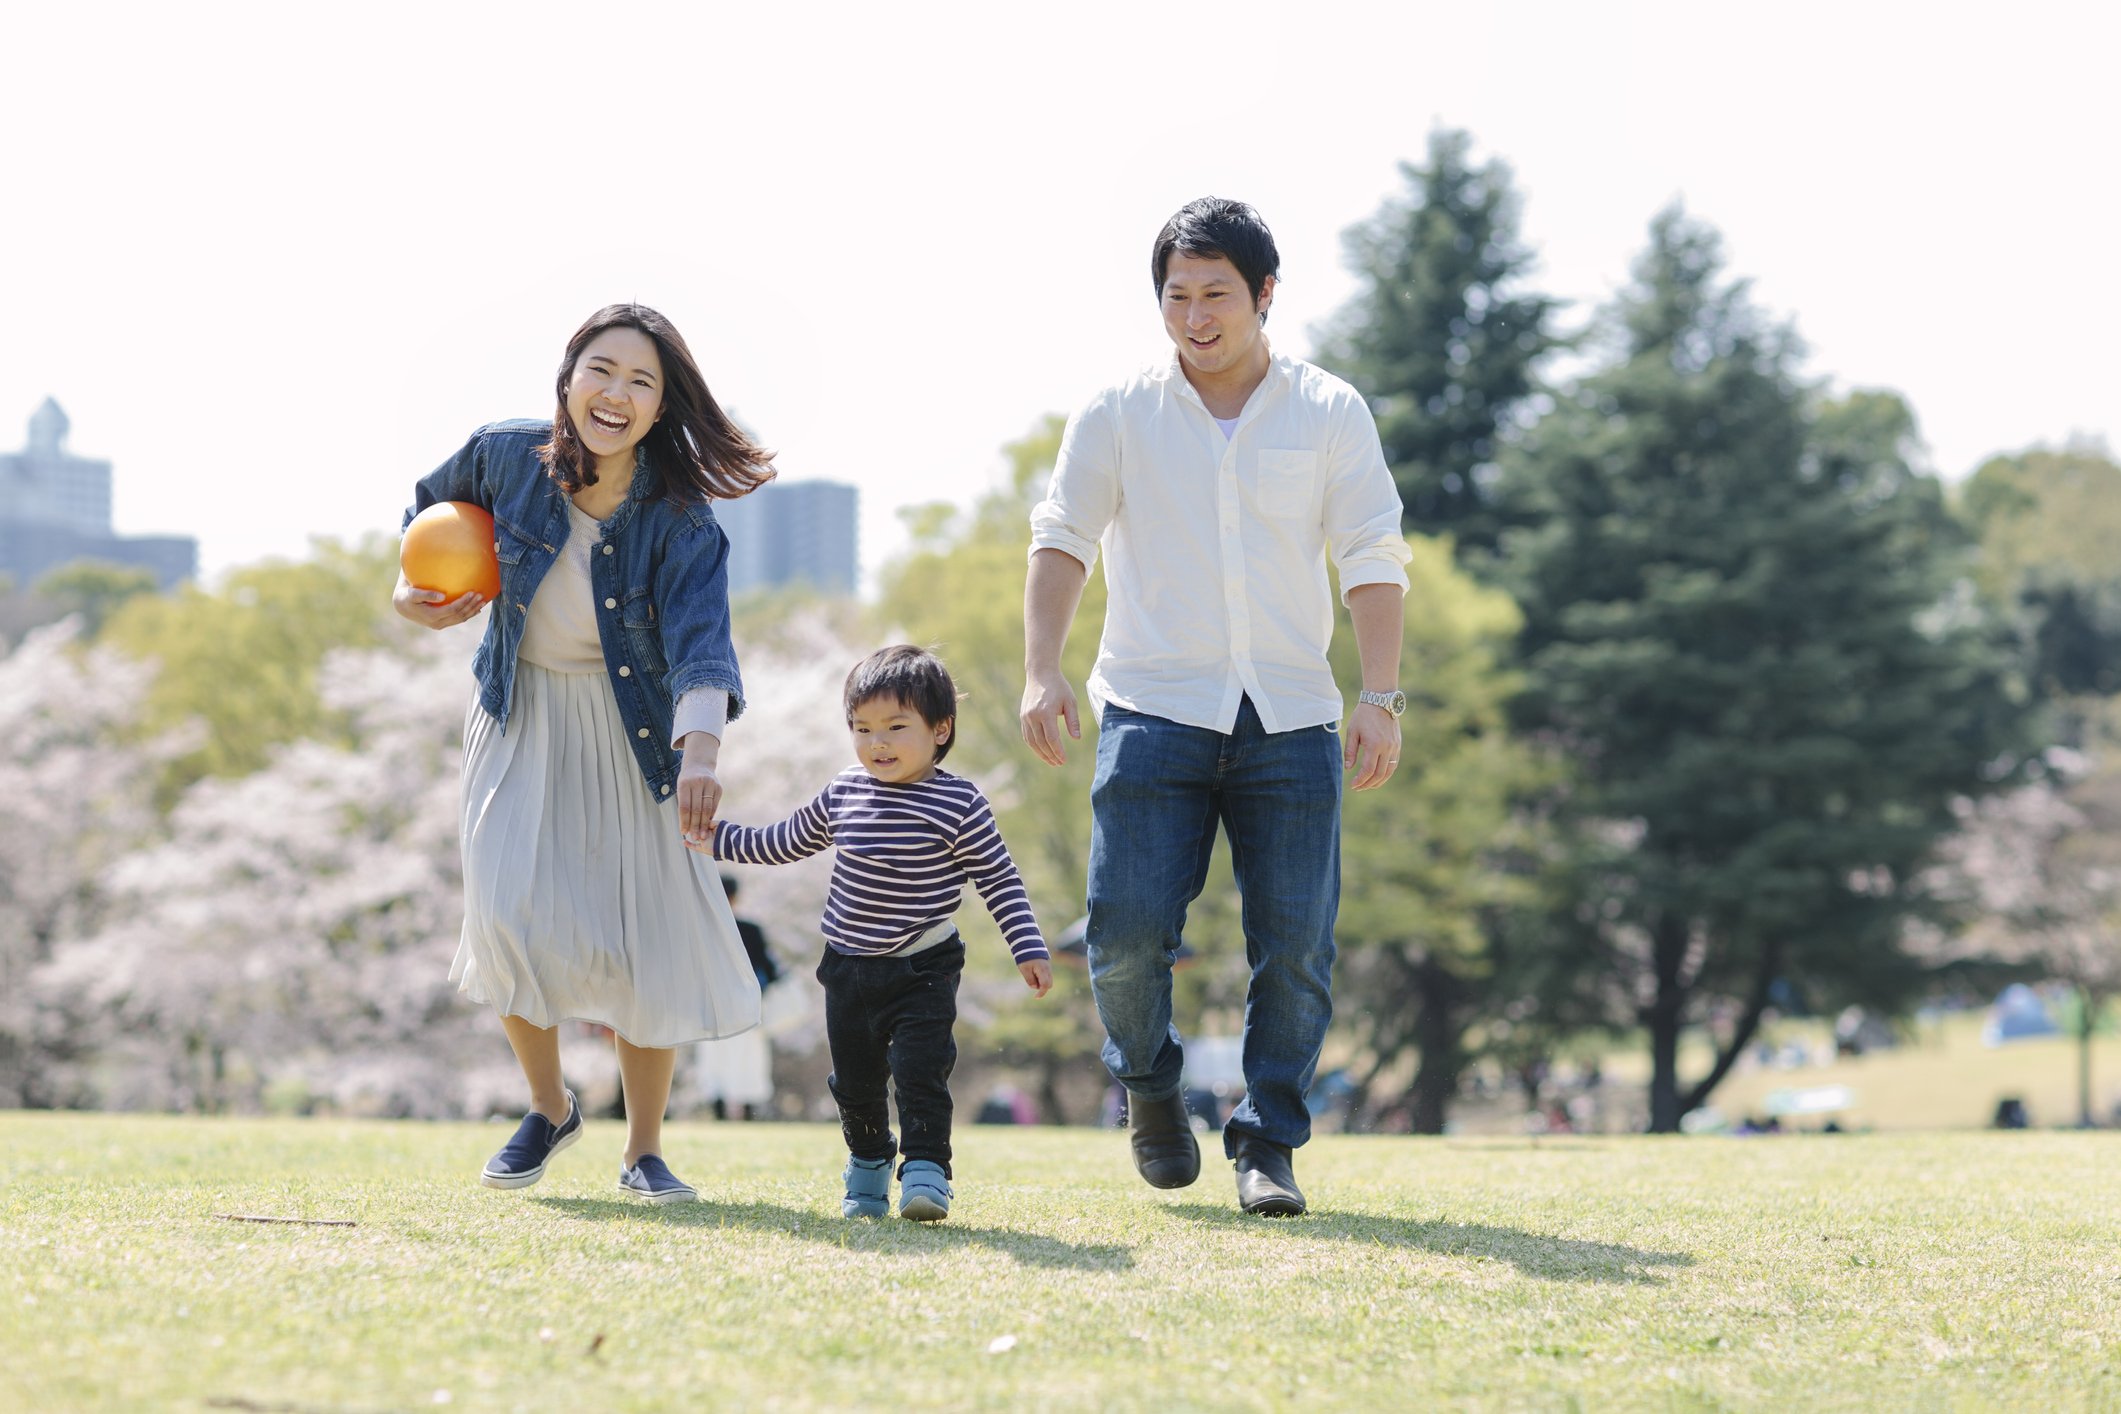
point(1739, 626)
point(243, 659)
point(961, 591)
point(94, 589)
point(2048, 522)
point(1433, 864)
point(1442, 339)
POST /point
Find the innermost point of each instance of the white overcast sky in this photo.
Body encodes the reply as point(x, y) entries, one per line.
point(277, 261)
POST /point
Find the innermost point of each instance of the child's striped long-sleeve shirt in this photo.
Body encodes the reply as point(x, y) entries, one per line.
point(904, 854)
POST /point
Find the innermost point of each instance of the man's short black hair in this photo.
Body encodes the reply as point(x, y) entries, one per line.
point(1216, 226)
point(910, 675)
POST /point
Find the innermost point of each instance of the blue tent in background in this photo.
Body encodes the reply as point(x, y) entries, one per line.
point(2017, 1014)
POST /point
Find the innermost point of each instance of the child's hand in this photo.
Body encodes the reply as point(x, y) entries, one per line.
point(703, 844)
point(1038, 975)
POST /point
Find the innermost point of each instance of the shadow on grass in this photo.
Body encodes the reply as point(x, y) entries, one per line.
point(892, 1237)
point(1548, 1258)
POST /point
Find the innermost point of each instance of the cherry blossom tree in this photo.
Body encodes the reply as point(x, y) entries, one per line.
point(289, 937)
point(2041, 868)
point(76, 790)
point(283, 939)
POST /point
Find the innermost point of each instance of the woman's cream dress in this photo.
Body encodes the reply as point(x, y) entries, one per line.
point(581, 901)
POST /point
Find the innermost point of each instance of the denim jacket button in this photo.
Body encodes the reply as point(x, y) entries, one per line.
point(625, 672)
point(666, 790)
point(607, 549)
point(642, 732)
point(611, 603)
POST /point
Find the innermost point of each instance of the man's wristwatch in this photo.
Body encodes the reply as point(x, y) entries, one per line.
point(1394, 701)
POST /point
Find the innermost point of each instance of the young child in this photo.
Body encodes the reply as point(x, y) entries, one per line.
point(909, 835)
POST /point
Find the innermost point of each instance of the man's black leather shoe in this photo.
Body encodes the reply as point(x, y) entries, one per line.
point(1266, 1180)
point(1165, 1152)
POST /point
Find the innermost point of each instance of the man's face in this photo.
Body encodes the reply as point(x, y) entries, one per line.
point(1210, 314)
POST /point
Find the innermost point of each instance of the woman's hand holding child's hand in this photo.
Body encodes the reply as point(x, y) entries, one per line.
point(699, 790)
point(1038, 975)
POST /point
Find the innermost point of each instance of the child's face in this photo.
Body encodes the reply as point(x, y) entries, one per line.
point(893, 743)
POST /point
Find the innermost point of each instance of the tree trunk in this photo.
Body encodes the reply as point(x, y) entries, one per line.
point(1662, 1016)
point(2088, 1004)
point(1438, 1032)
point(1049, 1101)
point(1742, 1036)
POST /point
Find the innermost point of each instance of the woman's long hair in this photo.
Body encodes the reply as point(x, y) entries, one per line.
point(695, 450)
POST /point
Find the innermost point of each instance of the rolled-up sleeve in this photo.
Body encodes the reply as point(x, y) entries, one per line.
point(1083, 496)
point(1362, 508)
point(704, 709)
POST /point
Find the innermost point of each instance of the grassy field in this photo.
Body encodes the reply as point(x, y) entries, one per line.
point(1933, 1272)
point(1942, 1078)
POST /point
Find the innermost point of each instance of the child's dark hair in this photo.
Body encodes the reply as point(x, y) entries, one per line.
point(910, 675)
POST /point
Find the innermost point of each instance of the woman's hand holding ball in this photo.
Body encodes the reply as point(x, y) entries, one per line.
point(430, 608)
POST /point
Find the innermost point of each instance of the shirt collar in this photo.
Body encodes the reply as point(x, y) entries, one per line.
point(1280, 368)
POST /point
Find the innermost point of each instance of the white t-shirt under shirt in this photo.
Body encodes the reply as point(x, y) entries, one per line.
point(1216, 546)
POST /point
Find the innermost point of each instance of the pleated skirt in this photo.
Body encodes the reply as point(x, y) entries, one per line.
point(581, 901)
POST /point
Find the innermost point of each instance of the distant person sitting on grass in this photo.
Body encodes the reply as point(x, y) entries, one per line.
point(909, 834)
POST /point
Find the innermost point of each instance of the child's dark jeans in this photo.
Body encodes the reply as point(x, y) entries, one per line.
point(889, 1018)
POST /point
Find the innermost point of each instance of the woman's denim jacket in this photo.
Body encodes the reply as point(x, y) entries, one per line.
point(660, 575)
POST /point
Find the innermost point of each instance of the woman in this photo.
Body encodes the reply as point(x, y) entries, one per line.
point(605, 680)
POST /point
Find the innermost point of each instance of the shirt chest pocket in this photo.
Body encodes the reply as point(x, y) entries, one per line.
point(1287, 480)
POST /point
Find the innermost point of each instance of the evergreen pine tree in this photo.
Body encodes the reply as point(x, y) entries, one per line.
point(1736, 625)
point(1441, 340)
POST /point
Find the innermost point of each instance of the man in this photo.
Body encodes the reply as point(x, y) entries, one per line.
point(1217, 484)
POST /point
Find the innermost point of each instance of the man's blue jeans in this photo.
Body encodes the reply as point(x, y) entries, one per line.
point(1159, 792)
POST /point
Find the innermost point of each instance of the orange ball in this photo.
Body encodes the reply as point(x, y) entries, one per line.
point(449, 548)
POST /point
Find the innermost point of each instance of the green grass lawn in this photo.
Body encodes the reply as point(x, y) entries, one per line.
point(1934, 1272)
point(1943, 1077)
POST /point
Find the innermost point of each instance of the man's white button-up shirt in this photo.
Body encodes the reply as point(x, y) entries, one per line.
point(1215, 547)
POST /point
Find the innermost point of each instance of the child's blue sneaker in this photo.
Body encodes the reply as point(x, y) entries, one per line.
point(652, 1179)
point(923, 1192)
point(868, 1188)
point(522, 1160)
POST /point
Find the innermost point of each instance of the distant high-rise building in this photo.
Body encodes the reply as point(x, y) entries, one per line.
point(792, 532)
point(55, 509)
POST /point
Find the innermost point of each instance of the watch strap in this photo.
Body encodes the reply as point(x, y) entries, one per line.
point(1394, 701)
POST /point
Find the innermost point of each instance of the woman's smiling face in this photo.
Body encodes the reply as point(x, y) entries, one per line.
point(615, 395)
